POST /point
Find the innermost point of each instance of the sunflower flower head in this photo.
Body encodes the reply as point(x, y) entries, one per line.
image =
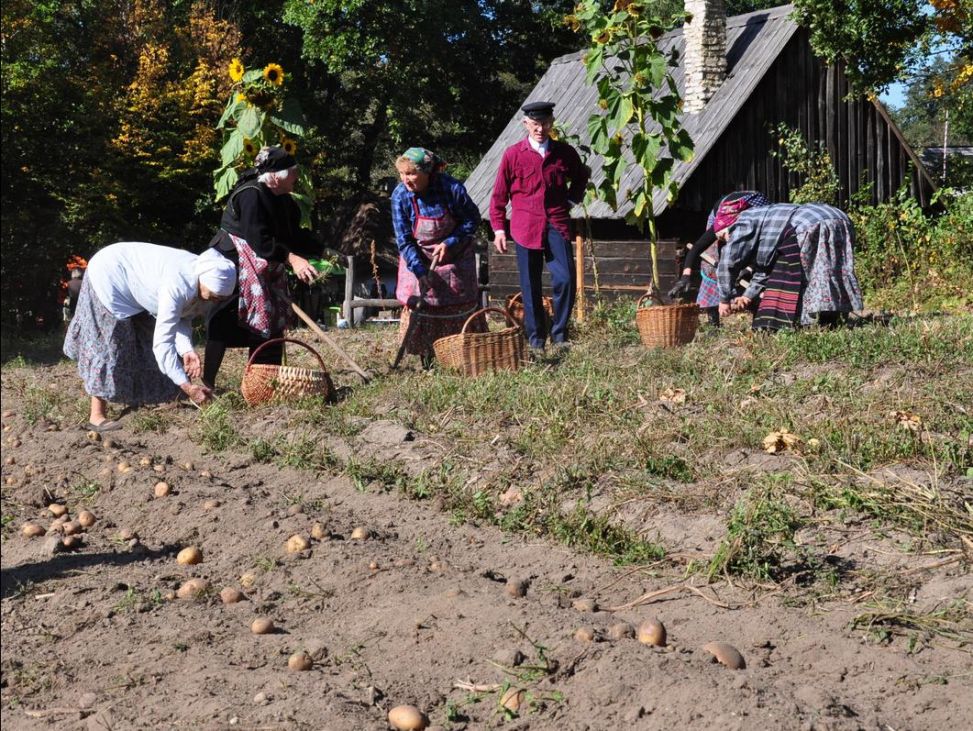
point(274, 73)
point(240, 98)
point(236, 70)
point(249, 147)
point(289, 145)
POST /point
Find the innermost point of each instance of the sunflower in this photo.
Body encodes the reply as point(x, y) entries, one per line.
point(274, 73)
point(249, 147)
point(289, 145)
point(240, 98)
point(236, 70)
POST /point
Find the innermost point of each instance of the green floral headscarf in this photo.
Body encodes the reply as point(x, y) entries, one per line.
point(425, 160)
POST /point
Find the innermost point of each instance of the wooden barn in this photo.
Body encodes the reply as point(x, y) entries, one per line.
point(740, 78)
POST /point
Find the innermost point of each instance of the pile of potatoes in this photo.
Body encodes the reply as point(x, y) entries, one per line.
point(71, 531)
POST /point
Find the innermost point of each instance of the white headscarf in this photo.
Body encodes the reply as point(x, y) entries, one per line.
point(215, 272)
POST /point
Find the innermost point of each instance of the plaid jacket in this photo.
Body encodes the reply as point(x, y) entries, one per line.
point(754, 239)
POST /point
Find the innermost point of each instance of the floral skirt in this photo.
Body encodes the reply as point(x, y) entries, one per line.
point(115, 358)
point(435, 323)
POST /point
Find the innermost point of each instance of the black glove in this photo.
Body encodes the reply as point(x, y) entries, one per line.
point(680, 288)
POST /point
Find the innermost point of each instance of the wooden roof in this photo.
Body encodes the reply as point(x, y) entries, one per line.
point(754, 41)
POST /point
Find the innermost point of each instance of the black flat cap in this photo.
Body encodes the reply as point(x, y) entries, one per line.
point(274, 159)
point(539, 110)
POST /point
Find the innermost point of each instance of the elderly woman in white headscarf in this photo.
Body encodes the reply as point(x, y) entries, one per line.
point(132, 332)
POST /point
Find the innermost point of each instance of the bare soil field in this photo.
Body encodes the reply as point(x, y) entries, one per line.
point(454, 556)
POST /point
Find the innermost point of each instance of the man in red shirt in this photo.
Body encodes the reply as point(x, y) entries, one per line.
point(542, 179)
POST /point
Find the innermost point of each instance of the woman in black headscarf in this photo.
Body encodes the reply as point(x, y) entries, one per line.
point(260, 232)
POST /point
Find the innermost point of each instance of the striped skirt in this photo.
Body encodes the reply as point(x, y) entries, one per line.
point(115, 358)
point(780, 304)
point(435, 323)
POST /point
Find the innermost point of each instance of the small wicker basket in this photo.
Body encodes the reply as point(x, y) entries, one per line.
point(476, 353)
point(666, 326)
point(515, 306)
point(263, 382)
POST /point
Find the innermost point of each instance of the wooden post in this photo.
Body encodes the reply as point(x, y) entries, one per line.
point(579, 301)
point(349, 313)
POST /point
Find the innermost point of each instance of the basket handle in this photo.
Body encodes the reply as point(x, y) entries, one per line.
point(287, 340)
point(515, 298)
point(651, 294)
point(501, 310)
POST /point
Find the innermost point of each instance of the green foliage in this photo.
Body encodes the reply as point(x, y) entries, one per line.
point(905, 258)
point(818, 181)
point(637, 122)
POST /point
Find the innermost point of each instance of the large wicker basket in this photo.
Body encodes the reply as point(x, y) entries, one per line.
point(666, 326)
point(263, 382)
point(476, 353)
point(515, 306)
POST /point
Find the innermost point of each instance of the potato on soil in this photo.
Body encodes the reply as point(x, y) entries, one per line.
point(584, 634)
point(513, 698)
point(262, 626)
point(407, 718)
point(71, 528)
point(585, 604)
point(229, 595)
point(300, 661)
point(192, 589)
point(145, 461)
point(516, 588)
point(652, 632)
point(162, 489)
point(726, 654)
point(57, 510)
point(72, 542)
point(318, 532)
point(189, 556)
point(124, 467)
point(86, 518)
point(621, 630)
point(297, 543)
point(211, 504)
point(32, 530)
point(248, 580)
point(359, 534)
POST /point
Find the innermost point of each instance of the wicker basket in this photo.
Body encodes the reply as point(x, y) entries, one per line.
point(476, 353)
point(515, 306)
point(264, 382)
point(666, 326)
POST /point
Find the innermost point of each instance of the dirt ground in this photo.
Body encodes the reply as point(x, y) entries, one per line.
point(417, 612)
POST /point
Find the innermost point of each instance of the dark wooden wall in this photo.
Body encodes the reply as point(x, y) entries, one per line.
point(804, 93)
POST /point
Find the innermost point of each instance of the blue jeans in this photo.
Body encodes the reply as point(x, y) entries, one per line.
point(559, 257)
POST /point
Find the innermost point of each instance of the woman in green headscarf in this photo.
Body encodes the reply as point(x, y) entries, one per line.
point(434, 218)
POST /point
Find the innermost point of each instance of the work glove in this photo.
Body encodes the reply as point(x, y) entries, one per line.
point(680, 288)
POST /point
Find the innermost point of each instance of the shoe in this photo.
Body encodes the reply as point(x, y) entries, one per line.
point(103, 426)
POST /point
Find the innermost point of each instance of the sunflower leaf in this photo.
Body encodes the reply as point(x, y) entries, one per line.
point(252, 75)
point(232, 147)
point(250, 122)
point(224, 180)
point(291, 118)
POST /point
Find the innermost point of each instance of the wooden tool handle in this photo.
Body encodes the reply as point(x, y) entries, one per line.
point(325, 338)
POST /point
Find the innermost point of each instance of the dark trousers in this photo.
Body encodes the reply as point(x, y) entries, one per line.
point(559, 257)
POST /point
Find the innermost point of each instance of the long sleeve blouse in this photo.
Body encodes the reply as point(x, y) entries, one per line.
point(753, 241)
point(444, 193)
point(269, 223)
point(132, 277)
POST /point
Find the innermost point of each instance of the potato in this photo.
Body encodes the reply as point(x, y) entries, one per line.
point(297, 543)
point(229, 595)
point(205, 474)
point(248, 580)
point(300, 661)
point(584, 634)
point(126, 534)
point(189, 556)
point(621, 630)
point(86, 518)
point(318, 532)
point(193, 589)
point(407, 718)
point(262, 626)
point(71, 528)
point(71, 542)
point(516, 588)
point(585, 605)
point(158, 468)
point(359, 534)
point(188, 466)
point(145, 462)
point(57, 510)
point(211, 504)
point(94, 436)
point(32, 530)
point(161, 489)
point(124, 467)
point(295, 509)
point(373, 565)
point(652, 632)
point(726, 654)
point(10, 461)
point(513, 698)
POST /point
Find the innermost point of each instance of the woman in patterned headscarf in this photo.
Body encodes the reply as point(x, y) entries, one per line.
point(434, 218)
point(802, 259)
point(704, 255)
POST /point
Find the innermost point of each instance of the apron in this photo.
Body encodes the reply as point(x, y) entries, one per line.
point(454, 280)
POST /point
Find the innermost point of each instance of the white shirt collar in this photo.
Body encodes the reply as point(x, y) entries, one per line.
point(539, 147)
